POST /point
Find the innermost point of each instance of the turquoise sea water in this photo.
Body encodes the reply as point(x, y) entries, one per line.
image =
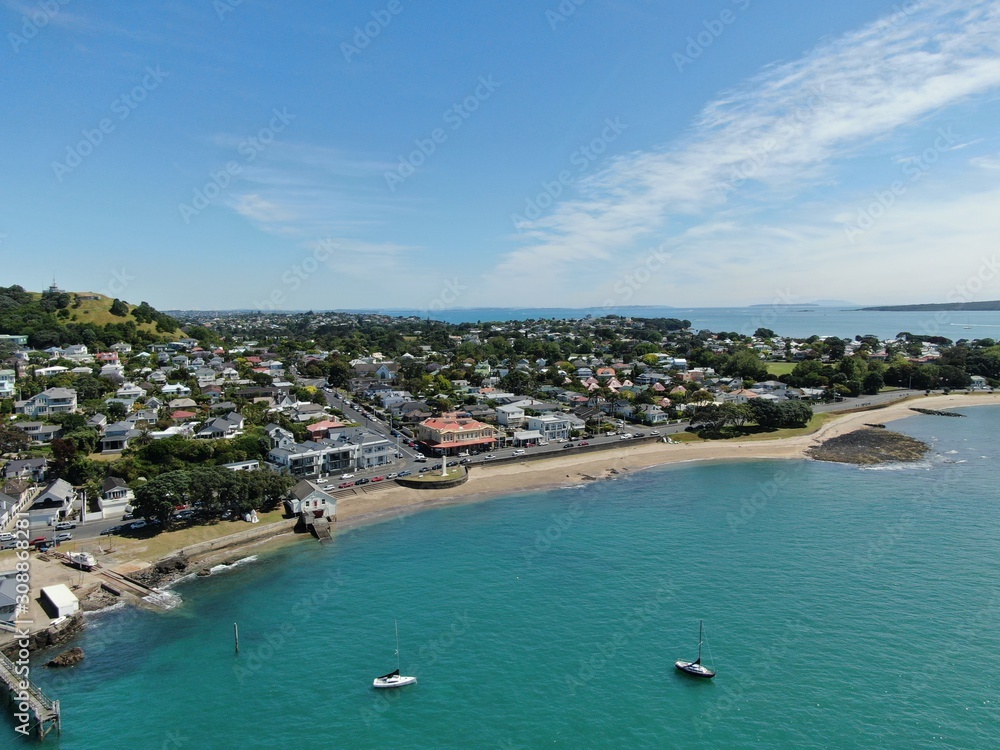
point(843, 608)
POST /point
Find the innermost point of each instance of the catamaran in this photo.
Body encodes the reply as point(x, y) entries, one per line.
point(696, 668)
point(394, 679)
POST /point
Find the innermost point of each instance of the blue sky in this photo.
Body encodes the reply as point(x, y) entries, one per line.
point(398, 153)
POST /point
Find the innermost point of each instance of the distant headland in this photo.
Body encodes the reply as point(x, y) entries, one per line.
point(957, 306)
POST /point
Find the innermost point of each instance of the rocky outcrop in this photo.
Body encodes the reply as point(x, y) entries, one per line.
point(870, 446)
point(43, 639)
point(165, 570)
point(67, 658)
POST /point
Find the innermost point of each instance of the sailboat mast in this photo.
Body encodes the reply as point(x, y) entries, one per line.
point(396, 625)
point(701, 624)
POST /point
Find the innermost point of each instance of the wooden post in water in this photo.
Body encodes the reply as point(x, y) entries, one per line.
point(236, 635)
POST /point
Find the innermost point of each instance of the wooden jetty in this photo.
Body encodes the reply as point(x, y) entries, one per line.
point(27, 698)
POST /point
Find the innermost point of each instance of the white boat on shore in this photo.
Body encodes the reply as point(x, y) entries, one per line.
point(83, 560)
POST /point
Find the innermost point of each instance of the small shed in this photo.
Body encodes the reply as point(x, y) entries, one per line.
point(60, 600)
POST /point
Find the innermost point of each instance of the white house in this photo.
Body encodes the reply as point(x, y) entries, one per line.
point(551, 426)
point(115, 497)
point(48, 402)
point(510, 415)
point(7, 380)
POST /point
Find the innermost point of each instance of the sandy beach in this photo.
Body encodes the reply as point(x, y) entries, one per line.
point(487, 481)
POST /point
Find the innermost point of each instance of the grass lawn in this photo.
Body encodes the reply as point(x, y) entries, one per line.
point(779, 368)
point(161, 545)
point(430, 477)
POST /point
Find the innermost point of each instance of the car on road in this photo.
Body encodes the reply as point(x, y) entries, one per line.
point(347, 476)
point(424, 469)
point(640, 434)
point(64, 536)
point(488, 456)
point(436, 466)
point(391, 475)
point(7, 537)
point(404, 473)
point(584, 442)
point(420, 459)
point(654, 433)
point(518, 452)
point(569, 445)
point(39, 540)
point(111, 530)
point(378, 479)
point(66, 525)
point(11, 544)
point(465, 461)
point(136, 525)
point(345, 485)
point(184, 515)
point(361, 481)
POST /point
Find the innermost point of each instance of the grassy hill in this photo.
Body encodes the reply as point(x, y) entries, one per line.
point(58, 318)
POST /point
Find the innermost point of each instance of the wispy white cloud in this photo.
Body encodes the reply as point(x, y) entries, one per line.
point(784, 131)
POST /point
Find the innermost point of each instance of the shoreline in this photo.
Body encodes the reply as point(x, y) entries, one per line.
point(487, 482)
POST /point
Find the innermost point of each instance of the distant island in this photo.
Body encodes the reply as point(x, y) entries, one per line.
point(963, 306)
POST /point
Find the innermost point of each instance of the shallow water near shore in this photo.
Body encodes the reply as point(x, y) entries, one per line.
point(843, 608)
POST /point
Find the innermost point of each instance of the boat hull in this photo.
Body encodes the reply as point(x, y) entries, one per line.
point(394, 681)
point(694, 669)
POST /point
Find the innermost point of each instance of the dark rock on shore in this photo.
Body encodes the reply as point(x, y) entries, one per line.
point(67, 658)
point(43, 639)
point(936, 413)
point(870, 446)
point(164, 571)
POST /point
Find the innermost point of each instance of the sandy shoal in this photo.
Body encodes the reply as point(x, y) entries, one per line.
point(488, 481)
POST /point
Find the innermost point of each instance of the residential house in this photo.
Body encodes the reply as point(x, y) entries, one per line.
point(321, 429)
point(551, 426)
point(310, 503)
point(375, 451)
point(279, 436)
point(39, 432)
point(222, 428)
point(313, 458)
point(26, 468)
point(48, 402)
point(117, 436)
point(510, 415)
point(115, 497)
point(175, 390)
point(57, 497)
point(8, 378)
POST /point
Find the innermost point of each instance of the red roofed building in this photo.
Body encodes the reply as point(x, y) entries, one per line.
point(450, 434)
point(322, 429)
point(181, 415)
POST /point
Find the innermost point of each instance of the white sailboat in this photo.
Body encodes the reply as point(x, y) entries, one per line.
point(394, 679)
point(696, 668)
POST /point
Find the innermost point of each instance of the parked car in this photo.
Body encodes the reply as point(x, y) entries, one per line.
point(569, 445)
point(654, 433)
point(465, 461)
point(361, 481)
point(391, 475)
point(519, 452)
point(7, 537)
point(39, 540)
point(66, 525)
point(378, 479)
point(345, 485)
point(424, 469)
point(584, 442)
point(420, 459)
point(404, 473)
point(135, 525)
point(64, 536)
point(112, 530)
